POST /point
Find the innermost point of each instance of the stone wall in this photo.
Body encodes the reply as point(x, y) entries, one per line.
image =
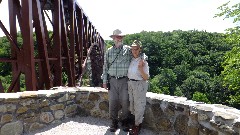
point(25, 112)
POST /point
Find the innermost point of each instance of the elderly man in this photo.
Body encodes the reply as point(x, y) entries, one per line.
point(116, 63)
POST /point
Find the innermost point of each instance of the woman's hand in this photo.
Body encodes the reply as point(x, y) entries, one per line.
point(140, 68)
point(141, 64)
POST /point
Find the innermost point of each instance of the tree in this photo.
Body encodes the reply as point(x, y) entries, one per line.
point(167, 80)
point(198, 96)
point(231, 65)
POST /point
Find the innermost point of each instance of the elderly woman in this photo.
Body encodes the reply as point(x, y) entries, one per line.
point(138, 74)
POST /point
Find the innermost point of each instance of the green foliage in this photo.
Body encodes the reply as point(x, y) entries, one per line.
point(201, 97)
point(5, 68)
point(231, 75)
point(167, 80)
point(22, 82)
point(217, 93)
point(109, 43)
point(183, 63)
point(231, 64)
point(235, 100)
point(193, 84)
point(231, 71)
point(229, 11)
point(154, 87)
point(6, 81)
point(181, 72)
point(178, 92)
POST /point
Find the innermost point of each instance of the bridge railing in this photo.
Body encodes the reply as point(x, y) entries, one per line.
point(50, 55)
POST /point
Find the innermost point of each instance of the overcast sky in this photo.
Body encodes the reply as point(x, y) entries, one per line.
point(134, 16)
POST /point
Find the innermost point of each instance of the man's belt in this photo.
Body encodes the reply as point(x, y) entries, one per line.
point(116, 77)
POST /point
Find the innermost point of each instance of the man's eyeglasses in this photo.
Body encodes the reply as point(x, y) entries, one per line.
point(118, 37)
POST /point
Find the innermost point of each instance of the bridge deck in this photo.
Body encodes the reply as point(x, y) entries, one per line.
point(84, 126)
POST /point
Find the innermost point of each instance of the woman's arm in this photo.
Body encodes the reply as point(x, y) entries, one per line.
point(141, 65)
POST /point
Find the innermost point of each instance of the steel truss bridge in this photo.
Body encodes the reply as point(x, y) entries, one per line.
point(44, 56)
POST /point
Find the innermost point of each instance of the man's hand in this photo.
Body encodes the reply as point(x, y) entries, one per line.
point(105, 86)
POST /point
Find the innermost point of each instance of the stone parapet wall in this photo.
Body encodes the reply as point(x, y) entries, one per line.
point(28, 111)
point(25, 112)
point(172, 115)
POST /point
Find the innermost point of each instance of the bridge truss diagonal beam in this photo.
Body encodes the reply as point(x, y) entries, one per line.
point(50, 55)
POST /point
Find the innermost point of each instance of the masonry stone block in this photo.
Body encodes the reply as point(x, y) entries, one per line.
point(222, 127)
point(164, 124)
point(6, 118)
point(83, 95)
point(181, 124)
point(33, 106)
point(70, 109)
point(13, 128)
point(104, 105)
point(193, 131)
point(237, 124)
point(93, 97)
point(96, 113)
point(7, 108)
point(59, 114)
point(193, 116)
point(180, 108)
point(46, 109)
point(12, 100)
point(3, 108)
point(149, 118)
point(156, 109)
point(170, 110)
point(31, 119)
point(224, 116)
point(23, 116)
point(44, 103)
point(64, 98)
point(83, 112)
point(202, 117)
point(57, 107)
point(46, 117)
point(70, 102)
point(71, 97)
point(27, 101)
point(28, 94)
point(88, 105)
point(104, 96)
point(206, 131)
point(36, 126)
point(22, 109)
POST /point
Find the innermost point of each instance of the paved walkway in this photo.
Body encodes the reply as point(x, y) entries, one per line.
point(84, 126)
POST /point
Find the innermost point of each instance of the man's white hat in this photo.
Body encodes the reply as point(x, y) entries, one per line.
point(117, 32)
